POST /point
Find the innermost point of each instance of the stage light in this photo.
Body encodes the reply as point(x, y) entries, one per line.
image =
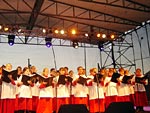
point(112, 36)
point(56, 31)
point(44, 30)
point(73, 31)
point(0, 27)
point(6, 28)
point(48, 42)
point(62, 32)
point(19, 30)
point(11, 39)
point(75, 44)
point(100, 46)
point(86, 34)
point(103, 35)
point(98, 35)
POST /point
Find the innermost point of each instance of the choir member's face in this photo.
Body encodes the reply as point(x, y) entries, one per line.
point(46, 72)
point(80, 71)
point(53, 73)
point(94, 72)
point(126, 72)
point(0, 70)
point(62, 72)
point(19, 71)
point(27, 72)
point(102, 72)
point(110, 73)
point(138, 72)
point(66, 71)
point(121, 72)
point(8, 67)
point(71, 73)
point(33, 69)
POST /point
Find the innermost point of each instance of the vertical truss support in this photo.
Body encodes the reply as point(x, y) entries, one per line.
point(116, 54)
point(139, 40)
point(148, 41)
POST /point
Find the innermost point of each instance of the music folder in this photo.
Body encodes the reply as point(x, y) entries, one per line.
point(62, 79)
point(5, 75)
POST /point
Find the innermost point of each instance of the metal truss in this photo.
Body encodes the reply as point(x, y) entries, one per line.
point(90, 14)
point(41, 41)
point(115, 54)
point(74, 17)
point(126, 4)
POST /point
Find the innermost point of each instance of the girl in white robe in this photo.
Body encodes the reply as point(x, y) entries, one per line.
point(8, 93)
point(45, 104)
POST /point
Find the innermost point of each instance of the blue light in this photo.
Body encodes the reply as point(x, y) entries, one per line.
point(11, 39)
point(11, 42)
point(48, 44)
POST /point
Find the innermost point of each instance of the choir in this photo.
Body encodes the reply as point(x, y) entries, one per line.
point(24, 90)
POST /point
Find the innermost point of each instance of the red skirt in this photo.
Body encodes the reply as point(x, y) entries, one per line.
point(35, 100)
point(132, 99)
point(45, 105)
point(110, 99)
point(123, 98)
point(97, 105)
point(54, 103)
point(25, 104)
point(7, 105)
point(0, 106)
point(16, 103)
point(61, 101)
point(141, 99)
point(81, 100)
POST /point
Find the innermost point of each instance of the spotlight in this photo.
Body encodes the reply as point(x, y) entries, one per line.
point(62, 32)
point(19, 30)
point(75, 44)
point(103, 35)
point(98, 35)
point(11, 39)
point(73, 31)
point(48, 42)
point(86, 34)
point(6, 29)
point(112, 36)
point(0, 27)
point(44, 30)
point(56, 31)
point(100, 46)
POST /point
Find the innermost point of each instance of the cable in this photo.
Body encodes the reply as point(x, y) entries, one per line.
point(54, 57)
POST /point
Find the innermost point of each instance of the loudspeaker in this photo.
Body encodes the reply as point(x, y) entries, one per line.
point(120, 107)
point(73, 108)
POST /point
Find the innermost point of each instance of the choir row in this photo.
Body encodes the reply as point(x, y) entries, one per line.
point(28, 91)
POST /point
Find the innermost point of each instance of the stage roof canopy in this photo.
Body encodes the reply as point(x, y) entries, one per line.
point(86, 16)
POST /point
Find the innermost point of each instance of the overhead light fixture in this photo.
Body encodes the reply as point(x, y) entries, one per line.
point(75, 44)
point(1, 27)
point(62, 32)
point(19, 30)
point(86, 34)
point(98, 35)
point(6, 28)
point(112, 36)
point(73, 32)
point(48, 42)
point(101, 46)
point(103, 35)
point(11, 39)
point(44, 30)
point(56, 31)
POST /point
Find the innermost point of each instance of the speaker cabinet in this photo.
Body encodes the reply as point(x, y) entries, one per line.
point(73, 108)
point(120, 107)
